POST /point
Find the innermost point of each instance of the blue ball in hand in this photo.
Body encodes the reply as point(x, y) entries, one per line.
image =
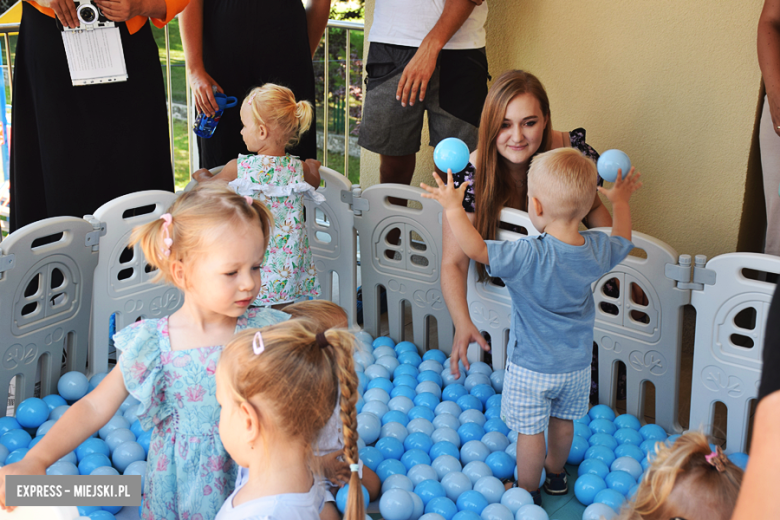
point(451, 154)
point(610, 162)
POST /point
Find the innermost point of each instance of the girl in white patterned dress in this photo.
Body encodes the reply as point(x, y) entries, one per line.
point(273, 120)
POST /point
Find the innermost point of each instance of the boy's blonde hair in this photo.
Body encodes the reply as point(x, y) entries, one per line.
point(197, 217)
point(276, 104)
point(323, 313)
point(298, 377)
point(564, 181)
point(714, 484)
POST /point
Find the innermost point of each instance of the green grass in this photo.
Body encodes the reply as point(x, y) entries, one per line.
point(178, 72)
point(336, 162)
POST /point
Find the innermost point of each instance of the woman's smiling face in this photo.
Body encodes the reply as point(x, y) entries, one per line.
point(522, 130)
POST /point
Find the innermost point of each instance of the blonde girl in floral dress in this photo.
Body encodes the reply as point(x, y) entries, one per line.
point(273, 121)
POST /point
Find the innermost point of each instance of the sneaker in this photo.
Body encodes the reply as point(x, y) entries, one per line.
point(556, 484)
point(537, 496)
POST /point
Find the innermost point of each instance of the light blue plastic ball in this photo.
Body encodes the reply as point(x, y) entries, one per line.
point(53, 401)
point(628, 436)
point(483, 393)
point(376, 394)
point(101, 515)
point(648, 447)
point(629, 450)
point(374, 371)
point(620, 481)
point(627, 464)
point(740, 459)
point(431, 365)
point(475, 470)
point(73, 386)
point(602, 453)
point(515, 498)
point(390, 467)
point(44, 428)
point(362, 381)
point(601, 411)
point(418, 441)
point(446, 420)
point(491, 488)
point(371, 457)
point(380, 382)
point(627, 421)
point(395, 430)
point(469, 402)
point(610, 162)
point(364, 337)
point(598, 511)
point(470, 431)
point(145, 439)
point(401, 403)
point(429, 489)
point(444, 448)
point(405, 346)
point(369, 427)
point(419, 507)
point(137, 468)
point(603, 439)
point(436, 355)
point(476, 379)
point(444, 464)
point(421, 425)
point(472, 501)
point(88, 464)
point(497, 512)
point(422, 412)
point(410, 358)
point(70, 457)
point(455, 484)
point(383, 351)
point(62, 467)
point(579, 446)
point(58, 412)
point(127, 403)
point(511, 450)
point(16, 456)
point(92, 445)
point(421, 472)
point(602, 426)
point(376, 408)
point(343, 495)
point(451, 154)
point(449, 379)
point(594, 467)
point(33, 442)
point(472, 416)
point(406, 370)
point(15, 439)
point(32, 412)
point(104, 470)
point(385, 341)
point(406, 380)
point(466, 515)
point(473, 450)
point(405, 391)
point(425, 398)
point(453, 392)
point(395, 416)
point(494, 401)
point(113, 423)
point(442, 506)
point(583, 430)
point(501, 464)
point(131, 414)
point(430, 376)
point(397, 482)
point(4, 452)
point(653, 432)
point(587, 486)
point(9, 423)
point(496, 425)
point(433, 516)
point(390, 448)
point(414, 457)
point(495, 441)
point(127, 453)
point(611, 498)
point(493, 413)
point(389, 362)
point(531, 512)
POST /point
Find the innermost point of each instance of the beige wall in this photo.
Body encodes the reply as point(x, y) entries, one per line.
point(673, 84)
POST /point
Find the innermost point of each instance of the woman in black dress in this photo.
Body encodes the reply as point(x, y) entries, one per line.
point(240, 44)
point(76, 148)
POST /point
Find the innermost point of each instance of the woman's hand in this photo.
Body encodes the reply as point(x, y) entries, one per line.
point(66, 13)
point(26, 466)
point(123, 10)
point(201, 84)
point(465, 334)
point(336, 471)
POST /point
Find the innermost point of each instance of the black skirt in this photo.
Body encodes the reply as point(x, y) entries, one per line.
point(76, 148)
point(247, 43)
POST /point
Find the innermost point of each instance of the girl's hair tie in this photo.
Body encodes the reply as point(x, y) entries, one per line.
point(716, 460)
point(354, 468)
point(258, 347)
point(322, 341)
point(248, 199)
point(167, 240)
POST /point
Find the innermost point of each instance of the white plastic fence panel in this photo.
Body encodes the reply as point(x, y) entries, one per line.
point(409, 271)
point(123, 278)
point(46, 276)
point(332, 240)
point(731, 319)
point(645, 335)
point(490, 306)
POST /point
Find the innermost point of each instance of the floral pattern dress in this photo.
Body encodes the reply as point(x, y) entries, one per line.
point(188, 474)
point(288, 272)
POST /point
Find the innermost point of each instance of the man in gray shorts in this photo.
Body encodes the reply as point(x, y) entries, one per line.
point(422, 58)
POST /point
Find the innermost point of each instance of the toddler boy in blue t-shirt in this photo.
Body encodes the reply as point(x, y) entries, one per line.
point(549, 279)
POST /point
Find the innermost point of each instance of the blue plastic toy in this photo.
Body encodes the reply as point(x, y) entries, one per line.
point(390, 448)
point(421, 472)
point(501, 464)
point(397, 482)
point(341, 497)
point(15, 439)
point(444, 448)
point(472, 501)
point(455, 484)
point(73, 385)
point(579, 446)
point(32, 412)
point(610, 162)
point(428, 490)
point(609, 497)
point(371, 457)
point(204, 125)
point(451, 154)
point(396, 504)
point(127, 453)
point(443, 506)
point(587, 486)
point(390, 467)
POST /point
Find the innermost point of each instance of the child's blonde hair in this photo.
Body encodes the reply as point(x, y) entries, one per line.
point(564, 180)
point(323, 313)
point(299, 375)
point(195, 220)
point(713, 481)
point(276, 104)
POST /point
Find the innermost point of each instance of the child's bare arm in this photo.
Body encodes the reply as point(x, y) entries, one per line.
point(229, 173)
point(619, 195)
point(84, 418)
point(311, 172)
point(451, 200)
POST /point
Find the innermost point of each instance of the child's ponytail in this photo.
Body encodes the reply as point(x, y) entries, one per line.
point(343, 344)
point(304, 113)
point(150, 237)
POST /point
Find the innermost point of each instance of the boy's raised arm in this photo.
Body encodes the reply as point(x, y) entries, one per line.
point(619, 195)
point(469, 240)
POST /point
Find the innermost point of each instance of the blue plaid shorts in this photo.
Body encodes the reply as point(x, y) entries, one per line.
point(531, 398)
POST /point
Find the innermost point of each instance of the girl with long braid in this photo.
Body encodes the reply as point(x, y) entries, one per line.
point(277, 390)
